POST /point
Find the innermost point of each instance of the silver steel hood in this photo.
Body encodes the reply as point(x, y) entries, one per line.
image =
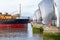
point(37, 16)
point(46, 8)
point(57, 11)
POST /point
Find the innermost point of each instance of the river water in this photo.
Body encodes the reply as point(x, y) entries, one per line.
point(21, 35)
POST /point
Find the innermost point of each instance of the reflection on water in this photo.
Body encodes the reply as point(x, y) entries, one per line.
point(20, 35)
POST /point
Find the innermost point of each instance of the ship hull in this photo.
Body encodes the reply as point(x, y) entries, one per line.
point(15, 24)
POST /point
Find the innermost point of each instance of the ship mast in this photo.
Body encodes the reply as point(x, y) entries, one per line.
point(20, 10)
point(19, 14)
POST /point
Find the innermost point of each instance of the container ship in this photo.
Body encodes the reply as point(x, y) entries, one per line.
point(8, 21)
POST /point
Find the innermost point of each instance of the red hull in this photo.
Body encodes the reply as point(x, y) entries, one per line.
point(13, 26)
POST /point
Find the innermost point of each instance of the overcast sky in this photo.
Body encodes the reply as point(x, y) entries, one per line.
point(12, 6)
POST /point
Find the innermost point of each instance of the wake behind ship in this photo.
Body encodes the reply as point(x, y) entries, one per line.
point(13, 22)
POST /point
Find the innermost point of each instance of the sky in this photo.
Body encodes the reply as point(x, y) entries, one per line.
point(28, 7)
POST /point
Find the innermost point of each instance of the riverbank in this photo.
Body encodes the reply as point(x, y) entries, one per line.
point(51, 36)
point(37, 30)
point(49, 32)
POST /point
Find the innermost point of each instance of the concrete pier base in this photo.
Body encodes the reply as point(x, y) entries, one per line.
point(47, 29)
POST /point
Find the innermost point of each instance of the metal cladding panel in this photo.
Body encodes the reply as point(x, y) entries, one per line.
point(57, 5)
point(46, 8)
point(57, 11)
point(37, 16)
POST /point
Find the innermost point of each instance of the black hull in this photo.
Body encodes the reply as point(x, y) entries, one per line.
point(15, 24)
point(16, 21)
